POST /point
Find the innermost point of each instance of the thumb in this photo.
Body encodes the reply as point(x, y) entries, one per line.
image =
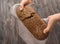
point(49, 25)
point(21, 7)
point(46, 30)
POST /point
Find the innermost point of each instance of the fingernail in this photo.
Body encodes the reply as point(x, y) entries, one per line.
point(20, 8)
point(43, 31)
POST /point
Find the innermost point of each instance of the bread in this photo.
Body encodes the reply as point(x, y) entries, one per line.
point(33, 22)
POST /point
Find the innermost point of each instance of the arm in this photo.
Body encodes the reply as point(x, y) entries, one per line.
point(25, 2)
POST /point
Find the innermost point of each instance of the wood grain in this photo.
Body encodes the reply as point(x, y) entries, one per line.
point(10, 27)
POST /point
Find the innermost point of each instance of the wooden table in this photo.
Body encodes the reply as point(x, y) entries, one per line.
point(12, 31)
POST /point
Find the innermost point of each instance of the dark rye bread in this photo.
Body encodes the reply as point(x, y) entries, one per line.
point(33, 22)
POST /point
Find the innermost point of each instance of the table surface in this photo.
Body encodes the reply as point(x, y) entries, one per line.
point(12, 30)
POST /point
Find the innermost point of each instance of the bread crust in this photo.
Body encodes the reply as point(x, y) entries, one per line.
point(33, 22)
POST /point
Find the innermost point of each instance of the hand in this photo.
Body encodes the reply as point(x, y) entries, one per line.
point(52, 19)
point(24, 3)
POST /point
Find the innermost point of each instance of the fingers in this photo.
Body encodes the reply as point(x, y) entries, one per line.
point(21, 7)
point(46, 31)
point(49, 25)
point(23, 3)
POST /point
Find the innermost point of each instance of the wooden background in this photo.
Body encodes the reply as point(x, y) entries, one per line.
point(12, 31)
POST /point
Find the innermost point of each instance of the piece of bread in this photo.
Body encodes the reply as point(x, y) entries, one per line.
point(33, 22)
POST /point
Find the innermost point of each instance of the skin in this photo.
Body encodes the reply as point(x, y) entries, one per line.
point(23, 3)
point(52, 18)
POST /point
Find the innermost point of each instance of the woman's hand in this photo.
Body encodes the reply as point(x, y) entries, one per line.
point(24, 3)
point(52, 19)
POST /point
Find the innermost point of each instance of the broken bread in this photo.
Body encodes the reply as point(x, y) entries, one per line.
point(32, 21)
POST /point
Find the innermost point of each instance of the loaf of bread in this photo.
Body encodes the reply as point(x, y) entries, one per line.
point(32, 21)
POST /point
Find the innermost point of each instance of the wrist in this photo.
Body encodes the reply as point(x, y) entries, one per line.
point(25, 2)
point(56, 17)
